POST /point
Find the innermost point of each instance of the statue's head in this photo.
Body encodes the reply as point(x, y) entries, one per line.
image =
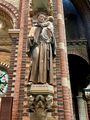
point(41, 17)
point(50, 18)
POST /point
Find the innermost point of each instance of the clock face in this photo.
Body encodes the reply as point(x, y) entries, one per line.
point(3, 82)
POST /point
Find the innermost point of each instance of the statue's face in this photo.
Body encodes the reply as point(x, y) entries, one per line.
point(41, 18)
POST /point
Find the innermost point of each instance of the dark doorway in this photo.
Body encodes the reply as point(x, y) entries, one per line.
point(79, 70)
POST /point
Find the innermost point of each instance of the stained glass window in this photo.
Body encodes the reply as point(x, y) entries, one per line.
point(3, 82)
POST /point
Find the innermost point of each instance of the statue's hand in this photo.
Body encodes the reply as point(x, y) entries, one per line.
point(38, 25)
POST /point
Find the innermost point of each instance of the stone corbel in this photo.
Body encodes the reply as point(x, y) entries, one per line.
point(43, 103)
point(40, 101)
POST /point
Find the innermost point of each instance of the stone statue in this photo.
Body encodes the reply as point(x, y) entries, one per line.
point(41, 48)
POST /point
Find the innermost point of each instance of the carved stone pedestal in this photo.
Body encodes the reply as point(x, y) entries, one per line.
point(40, 101)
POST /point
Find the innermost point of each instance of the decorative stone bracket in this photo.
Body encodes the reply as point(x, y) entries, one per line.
point(40, 101)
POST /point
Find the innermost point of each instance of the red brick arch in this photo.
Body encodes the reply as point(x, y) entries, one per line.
point(78, 54)
point(5, 66)
point(10, 10)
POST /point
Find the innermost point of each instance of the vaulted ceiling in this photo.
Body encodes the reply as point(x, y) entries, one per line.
point(82, 5)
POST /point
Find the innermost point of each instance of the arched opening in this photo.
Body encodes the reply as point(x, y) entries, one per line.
point(5, 40)
point(79, 70)
point(7, 18)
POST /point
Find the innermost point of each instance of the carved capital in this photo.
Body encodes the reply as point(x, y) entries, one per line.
point(40, 103)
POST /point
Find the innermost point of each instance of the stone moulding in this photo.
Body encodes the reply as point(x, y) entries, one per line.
point(41, 89)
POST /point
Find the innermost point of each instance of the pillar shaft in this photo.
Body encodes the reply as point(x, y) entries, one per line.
point(88, 106)
point(64, 73)
point(82, 107)
point(20, 65)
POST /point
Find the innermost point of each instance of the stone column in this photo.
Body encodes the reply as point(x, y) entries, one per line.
point(87, 95)
point(17, 110)
point(88, 105)
point(82, 107)
point(64, 73)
